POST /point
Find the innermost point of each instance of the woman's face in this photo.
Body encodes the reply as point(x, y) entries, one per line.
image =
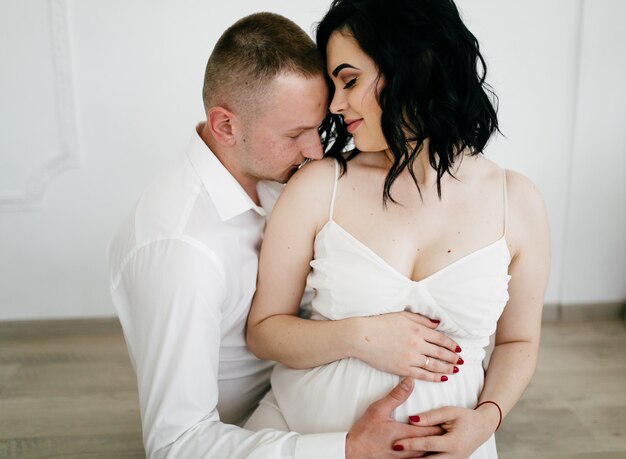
point(357, 82)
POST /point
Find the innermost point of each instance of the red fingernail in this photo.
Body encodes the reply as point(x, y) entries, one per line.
point(458, 349)
point(435, 321)
point(456, 369)
point(460, 362)
point(398, 448)
point(414, 418)
point(444, 378)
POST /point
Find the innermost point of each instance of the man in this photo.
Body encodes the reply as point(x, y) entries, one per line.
point(184, 265)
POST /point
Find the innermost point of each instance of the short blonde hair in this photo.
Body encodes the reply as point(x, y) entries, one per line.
point(250, 55)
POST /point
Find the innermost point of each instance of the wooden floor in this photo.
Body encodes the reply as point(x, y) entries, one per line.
point(67, 390)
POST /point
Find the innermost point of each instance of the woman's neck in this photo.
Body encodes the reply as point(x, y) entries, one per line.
point(425, 174)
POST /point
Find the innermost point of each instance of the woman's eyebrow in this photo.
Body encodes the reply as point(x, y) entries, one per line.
point(340, 67)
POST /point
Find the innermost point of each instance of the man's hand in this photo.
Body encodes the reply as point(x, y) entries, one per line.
point(465, 430)
point(407, 344)
point(373, 435)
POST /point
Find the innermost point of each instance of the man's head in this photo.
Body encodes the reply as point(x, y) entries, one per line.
point(265, 95)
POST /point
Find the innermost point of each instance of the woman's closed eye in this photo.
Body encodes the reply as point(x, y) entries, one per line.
point(350, 83)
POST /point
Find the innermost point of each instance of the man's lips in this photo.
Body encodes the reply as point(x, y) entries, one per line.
point(351, 125)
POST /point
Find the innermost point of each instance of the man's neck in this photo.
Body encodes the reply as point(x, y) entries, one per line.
point(226, 157)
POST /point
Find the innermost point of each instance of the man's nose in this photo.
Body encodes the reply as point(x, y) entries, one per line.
point(313, 147)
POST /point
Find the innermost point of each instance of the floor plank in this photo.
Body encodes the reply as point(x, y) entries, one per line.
point(67, 390)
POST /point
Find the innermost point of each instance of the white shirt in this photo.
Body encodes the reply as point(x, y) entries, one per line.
point(183, 272)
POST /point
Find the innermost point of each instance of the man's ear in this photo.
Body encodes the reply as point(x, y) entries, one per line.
point(220, 122)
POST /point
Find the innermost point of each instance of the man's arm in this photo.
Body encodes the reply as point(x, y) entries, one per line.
point(169, 297)
point(169, 300)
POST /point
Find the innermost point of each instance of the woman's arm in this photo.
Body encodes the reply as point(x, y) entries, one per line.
point(396, 342)
point(514, 357)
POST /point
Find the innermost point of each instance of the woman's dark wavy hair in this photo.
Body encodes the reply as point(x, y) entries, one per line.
point(434, 82)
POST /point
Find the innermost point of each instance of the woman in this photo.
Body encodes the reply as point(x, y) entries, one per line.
point(414, 218)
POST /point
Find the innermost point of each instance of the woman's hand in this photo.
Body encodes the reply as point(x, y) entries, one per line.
point(406, 344)
point(465, 430)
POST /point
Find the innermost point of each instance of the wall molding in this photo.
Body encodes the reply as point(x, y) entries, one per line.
point(66, 157)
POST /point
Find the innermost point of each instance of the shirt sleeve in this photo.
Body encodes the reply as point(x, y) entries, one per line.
point(169, 299)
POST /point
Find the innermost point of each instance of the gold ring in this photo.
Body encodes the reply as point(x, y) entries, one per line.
point(426, 363)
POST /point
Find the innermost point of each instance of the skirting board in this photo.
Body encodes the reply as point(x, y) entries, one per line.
point(111, 325)
point(582, 312)
point(60, 327)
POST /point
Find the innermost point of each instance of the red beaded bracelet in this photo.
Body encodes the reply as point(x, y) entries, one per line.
point(497, 406)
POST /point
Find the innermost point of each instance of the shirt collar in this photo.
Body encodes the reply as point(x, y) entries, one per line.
point(227, 194)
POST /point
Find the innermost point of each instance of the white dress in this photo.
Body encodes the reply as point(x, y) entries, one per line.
point(350, 280)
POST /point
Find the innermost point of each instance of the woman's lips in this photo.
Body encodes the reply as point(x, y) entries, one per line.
point(352, 125)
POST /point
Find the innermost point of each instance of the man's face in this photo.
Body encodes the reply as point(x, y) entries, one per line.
point(272, 144)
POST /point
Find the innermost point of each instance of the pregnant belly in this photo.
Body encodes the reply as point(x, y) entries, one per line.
point(330, 398)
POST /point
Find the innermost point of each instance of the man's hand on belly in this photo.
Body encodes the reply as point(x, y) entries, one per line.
point(374, 434)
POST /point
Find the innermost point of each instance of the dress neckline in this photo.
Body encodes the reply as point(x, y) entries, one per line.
point(390, 268)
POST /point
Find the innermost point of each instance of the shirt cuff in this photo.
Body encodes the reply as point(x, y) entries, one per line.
point(326, 445)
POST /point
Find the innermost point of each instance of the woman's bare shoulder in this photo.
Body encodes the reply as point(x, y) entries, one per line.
point(527, 224)
point(308, 192)
point(315, 175)
point(522, 192)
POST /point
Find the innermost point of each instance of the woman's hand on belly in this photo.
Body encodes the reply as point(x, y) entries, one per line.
point(406, 344)
point(465, 430)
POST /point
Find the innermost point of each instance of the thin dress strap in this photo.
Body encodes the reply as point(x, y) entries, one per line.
point(332, 199)
point(504, 203)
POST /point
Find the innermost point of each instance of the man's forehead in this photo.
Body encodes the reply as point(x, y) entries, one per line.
point(298, 102)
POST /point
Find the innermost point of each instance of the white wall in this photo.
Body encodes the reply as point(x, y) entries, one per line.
point(531, 49)
point(97, 96)
point(594, 243)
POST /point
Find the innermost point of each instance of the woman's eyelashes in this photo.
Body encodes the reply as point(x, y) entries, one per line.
point(350, 83)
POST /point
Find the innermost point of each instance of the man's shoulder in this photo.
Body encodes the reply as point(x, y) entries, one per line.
point(148, 244)
point(170, 208)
